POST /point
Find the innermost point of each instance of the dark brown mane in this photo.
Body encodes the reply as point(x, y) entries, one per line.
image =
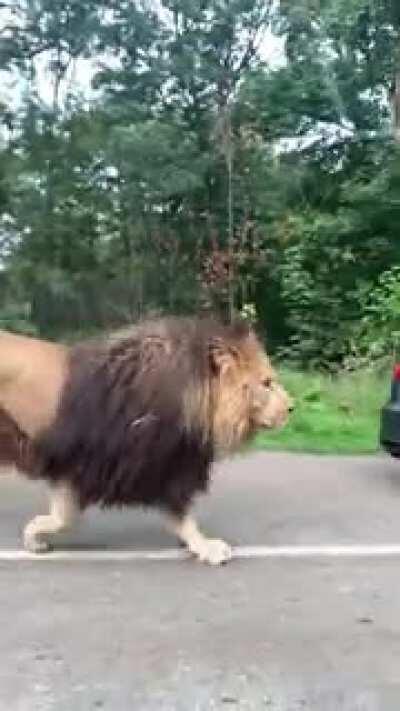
point(121, 435)
point(15, 447)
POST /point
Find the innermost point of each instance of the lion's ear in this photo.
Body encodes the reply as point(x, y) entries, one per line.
point(223, 357)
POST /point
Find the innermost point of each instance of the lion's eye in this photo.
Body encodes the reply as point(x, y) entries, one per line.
point(267, 382)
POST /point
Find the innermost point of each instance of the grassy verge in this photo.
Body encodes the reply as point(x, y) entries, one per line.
point(333, 414)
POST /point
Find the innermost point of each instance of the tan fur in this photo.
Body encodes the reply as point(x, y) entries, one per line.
point(196, 407)
point(208, 550)
point(32, 374)
point(64, 511)
point(246, 395)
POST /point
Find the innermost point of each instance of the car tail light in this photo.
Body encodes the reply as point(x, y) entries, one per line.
point(396, 372)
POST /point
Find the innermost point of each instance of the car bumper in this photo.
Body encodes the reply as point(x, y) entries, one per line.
point(390, 429)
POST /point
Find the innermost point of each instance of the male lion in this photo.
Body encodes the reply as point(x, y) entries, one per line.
point(136, 419)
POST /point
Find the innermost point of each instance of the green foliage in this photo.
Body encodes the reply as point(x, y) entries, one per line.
point(334, 414)
point(315, 272)
point(198, 176)
point(18, 318)
point(380, 325)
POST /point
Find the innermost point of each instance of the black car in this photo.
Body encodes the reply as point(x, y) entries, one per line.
point(390, 418)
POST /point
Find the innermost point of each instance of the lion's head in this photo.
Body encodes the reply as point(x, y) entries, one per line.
point(238, 392)
point(246, 394)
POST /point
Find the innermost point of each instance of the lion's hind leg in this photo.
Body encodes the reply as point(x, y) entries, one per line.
point(63, 512)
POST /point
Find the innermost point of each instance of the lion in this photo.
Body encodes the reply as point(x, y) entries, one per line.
point(134, 420)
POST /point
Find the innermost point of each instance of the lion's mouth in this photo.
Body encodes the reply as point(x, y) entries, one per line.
point(276, 424)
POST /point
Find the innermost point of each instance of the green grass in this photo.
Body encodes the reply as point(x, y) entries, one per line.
point(333, 414)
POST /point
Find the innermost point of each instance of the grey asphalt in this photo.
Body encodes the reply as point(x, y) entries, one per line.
point(284, 635)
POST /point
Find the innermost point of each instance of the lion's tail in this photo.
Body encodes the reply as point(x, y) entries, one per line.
point(16, 449)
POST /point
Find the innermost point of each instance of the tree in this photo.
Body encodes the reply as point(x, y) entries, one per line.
point(194, 175)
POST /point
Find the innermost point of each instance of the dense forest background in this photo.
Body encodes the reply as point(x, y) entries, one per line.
point(192, 173)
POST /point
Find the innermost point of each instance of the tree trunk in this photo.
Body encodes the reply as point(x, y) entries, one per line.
point(229, 169)
point(394, 13)
point(396, 106)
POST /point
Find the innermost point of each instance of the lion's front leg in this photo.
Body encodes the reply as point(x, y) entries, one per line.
point(207, 550)
point(64, 511)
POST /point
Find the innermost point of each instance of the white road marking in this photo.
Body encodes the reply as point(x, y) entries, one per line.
point(240, 552)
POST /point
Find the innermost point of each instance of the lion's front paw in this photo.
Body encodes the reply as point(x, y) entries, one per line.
point(213, 551)
point(33, 543)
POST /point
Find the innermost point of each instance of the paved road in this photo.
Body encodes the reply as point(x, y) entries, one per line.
point(284, 635)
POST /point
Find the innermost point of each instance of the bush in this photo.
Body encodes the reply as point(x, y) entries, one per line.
point(17, 318)
point(380, 325)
